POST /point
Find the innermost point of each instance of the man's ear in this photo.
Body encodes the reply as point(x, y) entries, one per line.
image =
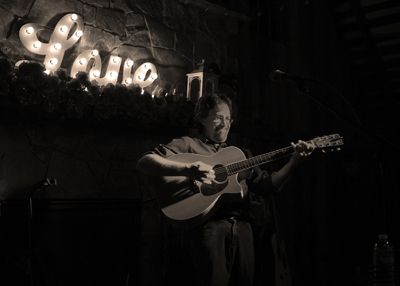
point(202, 122)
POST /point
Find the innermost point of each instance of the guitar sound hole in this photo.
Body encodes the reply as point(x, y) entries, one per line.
point(220, 173)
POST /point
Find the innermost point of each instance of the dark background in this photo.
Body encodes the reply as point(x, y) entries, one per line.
point(101, 222)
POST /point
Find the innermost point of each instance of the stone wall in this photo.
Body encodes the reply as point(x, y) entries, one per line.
point(174, 35)
point(88, 162)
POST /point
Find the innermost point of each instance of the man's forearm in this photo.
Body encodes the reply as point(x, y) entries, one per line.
point(279, 177)
point(153, 164)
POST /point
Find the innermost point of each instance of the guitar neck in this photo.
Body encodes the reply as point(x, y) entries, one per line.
point(252, 162)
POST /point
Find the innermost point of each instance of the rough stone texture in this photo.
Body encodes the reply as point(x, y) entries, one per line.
point(153, 8)
point(138, 38)
point(95, 38)
point(89, 15)
point(49, 12)
point(137, 54)
point(169, 58)
point(184, 45)
point(6, 19)
point(17, 7)
point(111, 20)
point(168, 33)
point(169, 14)
point(98, 3)
point(135, 20)
point(120, 4)
point(161, 36)
point(219, 27)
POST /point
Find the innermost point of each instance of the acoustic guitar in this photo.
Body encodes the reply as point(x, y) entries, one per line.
point(184, 200)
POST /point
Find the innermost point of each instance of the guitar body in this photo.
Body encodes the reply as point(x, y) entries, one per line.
point(182, 200)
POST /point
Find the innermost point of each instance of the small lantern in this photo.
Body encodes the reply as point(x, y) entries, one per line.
point(201, 82)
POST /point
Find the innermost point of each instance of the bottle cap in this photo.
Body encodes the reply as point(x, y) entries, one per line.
point(383, 236)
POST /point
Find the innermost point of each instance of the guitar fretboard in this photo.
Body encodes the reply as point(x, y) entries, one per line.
point(252, 162)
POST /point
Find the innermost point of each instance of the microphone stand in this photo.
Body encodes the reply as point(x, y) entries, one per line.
point(40, 186)
point(357, 124)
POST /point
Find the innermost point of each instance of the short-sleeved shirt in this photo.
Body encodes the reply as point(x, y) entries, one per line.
point(203, 146)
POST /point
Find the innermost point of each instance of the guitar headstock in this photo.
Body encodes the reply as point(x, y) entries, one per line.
point(330, 142)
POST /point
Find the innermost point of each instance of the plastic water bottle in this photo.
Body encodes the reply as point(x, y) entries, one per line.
point(383, 262)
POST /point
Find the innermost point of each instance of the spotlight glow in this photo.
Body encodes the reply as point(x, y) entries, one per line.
point(82, 61)
point(111, 75)
point(53, 61)
point(95, 53)
point(78, 34)
point(57, 46)
point(29, 30)
point(129, 63)
point(63, 29)
point(37, 44)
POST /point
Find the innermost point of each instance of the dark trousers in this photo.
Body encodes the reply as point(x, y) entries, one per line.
point(222, 253)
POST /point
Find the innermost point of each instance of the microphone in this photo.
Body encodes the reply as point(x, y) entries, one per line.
point(50, 182)
point(278, 75)
point(45, 183)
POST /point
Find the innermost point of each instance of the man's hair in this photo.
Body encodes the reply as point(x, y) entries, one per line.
point(206, 103)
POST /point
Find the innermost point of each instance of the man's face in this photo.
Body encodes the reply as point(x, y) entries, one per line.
point(217, 123)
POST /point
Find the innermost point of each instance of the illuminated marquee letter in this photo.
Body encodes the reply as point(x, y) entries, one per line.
point(145, 75)
point(82, 61)
point(61, 39)
point(67, 32)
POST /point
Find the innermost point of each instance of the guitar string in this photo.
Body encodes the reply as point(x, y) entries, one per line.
point(236, 166)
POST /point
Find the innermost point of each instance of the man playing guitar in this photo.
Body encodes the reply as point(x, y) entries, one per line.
point(206, 181)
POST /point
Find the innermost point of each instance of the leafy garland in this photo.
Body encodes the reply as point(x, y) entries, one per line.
point(63, 98)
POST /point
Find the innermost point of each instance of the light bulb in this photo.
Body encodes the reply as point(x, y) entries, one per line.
point(74, 17)
point(53, 61)
point(129, 63)
point(37, 44)
point(82, 61)
point(95, 53)
point(115, 60)
point(29, 30)
point(63, 29)
point(57, 46)
point(78, 34)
